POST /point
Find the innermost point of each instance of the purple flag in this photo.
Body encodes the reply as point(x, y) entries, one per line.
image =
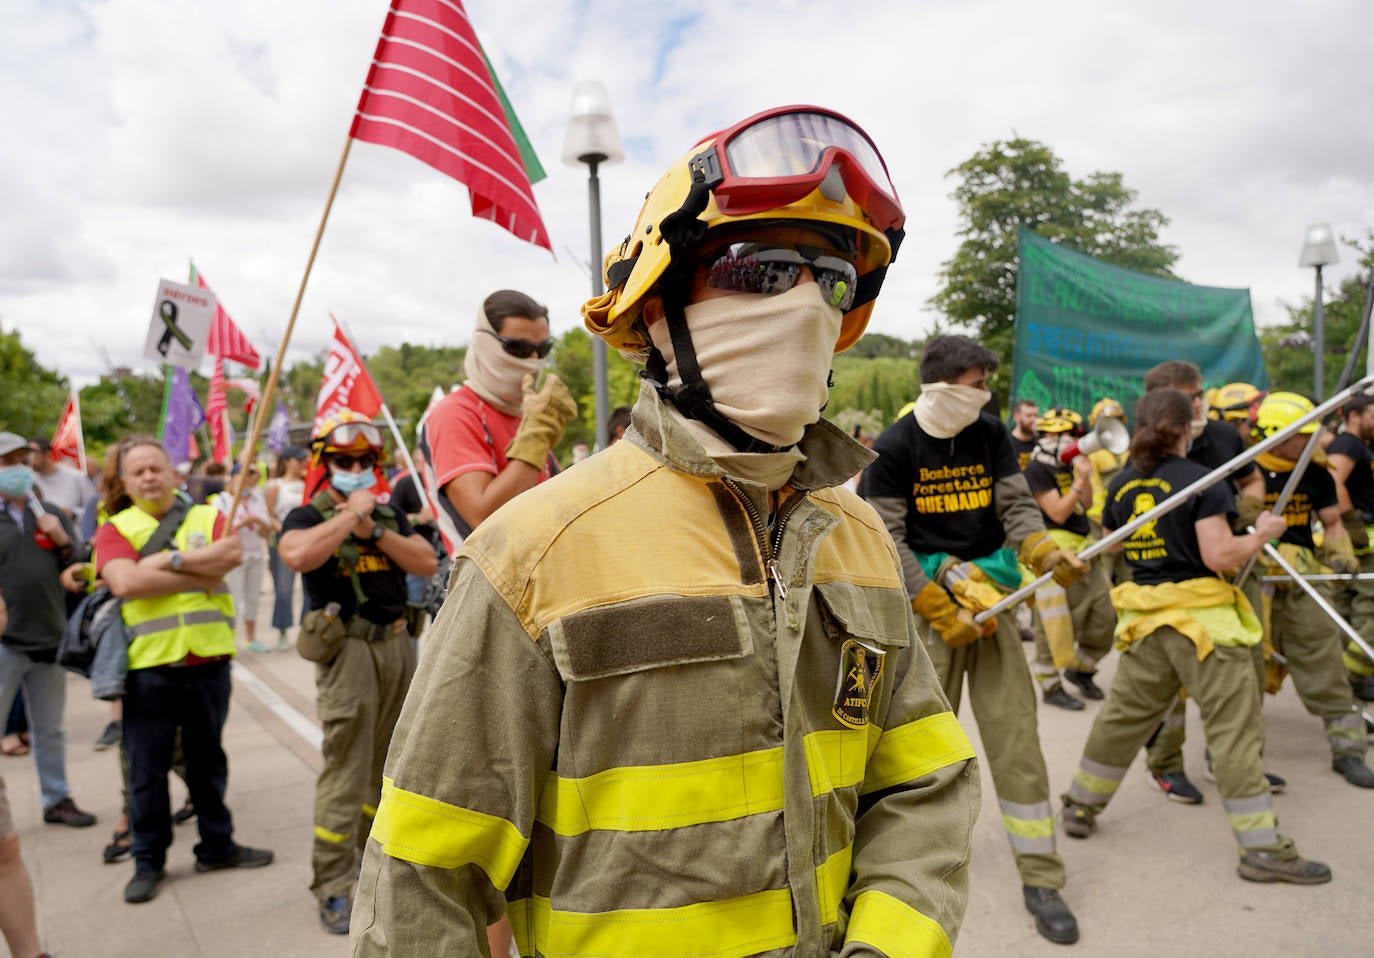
point(184, 415)
point(278, 430)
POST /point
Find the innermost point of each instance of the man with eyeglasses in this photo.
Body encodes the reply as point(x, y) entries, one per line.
point(493, 438)
point(353, 553)
point(682, 707)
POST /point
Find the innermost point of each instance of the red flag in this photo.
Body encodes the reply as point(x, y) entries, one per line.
point(217, 411)
point(68, 443)
point(430, 94)
point(226, 339)
point(346, 384)
point(251, 390)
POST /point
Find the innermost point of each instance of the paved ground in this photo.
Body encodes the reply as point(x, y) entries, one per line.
point(1158, 879)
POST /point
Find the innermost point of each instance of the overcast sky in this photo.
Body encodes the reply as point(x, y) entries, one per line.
point(140, 134)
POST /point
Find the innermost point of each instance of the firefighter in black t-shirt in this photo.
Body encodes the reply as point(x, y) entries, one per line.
point(1212, 444)
point(353, 552)
point(948, 488)
point(1299, 629)
point(1024, 413)
point(1182, 625)
point(1352, 466)
point(1077, 622)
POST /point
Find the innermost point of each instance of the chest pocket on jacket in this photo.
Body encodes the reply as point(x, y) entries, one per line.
point(653, 681)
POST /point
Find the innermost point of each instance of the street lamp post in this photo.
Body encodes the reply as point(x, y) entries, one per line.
point(1318, 250)
point(592, 138)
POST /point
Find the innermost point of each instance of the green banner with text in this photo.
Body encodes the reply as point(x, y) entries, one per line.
point(1086, 329)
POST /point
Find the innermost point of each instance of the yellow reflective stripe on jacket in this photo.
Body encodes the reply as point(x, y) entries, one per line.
point(732, 928)
point(895, 929)
point(909, 751)
point(650, 797)
point(835, 758)
point(832, 881)
point(426, 831)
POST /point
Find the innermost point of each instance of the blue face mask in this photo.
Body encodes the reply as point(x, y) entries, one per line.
point(347, 482)
point(16, 480)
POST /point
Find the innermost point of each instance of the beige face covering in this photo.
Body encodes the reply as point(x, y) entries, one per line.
point(493, 373)
point(945, 409)
point(1200, 423)
point(766, 358)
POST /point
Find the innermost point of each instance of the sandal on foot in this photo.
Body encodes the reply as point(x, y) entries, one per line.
point(185, 813)
point(121, 844)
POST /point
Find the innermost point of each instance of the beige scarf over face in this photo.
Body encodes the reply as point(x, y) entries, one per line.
point(493, 373)
point(946, 409)
point(766, 358)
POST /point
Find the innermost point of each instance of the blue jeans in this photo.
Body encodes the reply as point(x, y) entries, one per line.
point(283, 585)
point(45, 689)
point(158, 702)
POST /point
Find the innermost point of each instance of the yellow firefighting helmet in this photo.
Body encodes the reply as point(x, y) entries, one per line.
point(1209, 396)
point(1060, 419)
point(345, 431)
point(1235, 401)
point(1279, 410)
point(1109, 407)
point(795, 165)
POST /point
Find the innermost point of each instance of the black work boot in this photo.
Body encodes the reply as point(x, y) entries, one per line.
point(1061, 699)
point(1085, 683)
point(1265, 866)
point(1052, 917)
point(1354, 769)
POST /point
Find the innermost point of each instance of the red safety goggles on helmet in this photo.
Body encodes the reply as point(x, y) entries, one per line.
point(778, 157)
point(350, 434)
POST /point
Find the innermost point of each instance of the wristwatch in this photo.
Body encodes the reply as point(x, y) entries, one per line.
point(378, 530)
point(175, 561)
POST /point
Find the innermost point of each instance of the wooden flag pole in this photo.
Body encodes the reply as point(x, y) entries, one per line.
point(251, 445)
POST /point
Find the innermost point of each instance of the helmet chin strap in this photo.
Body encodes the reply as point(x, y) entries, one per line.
point(693, 397)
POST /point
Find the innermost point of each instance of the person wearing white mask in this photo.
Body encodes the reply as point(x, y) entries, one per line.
point(493, 438)
point(948, 488)
point(681, 705)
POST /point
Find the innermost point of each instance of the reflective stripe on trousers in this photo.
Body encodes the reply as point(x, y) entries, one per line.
point(1030, 828)
point(1253, 820)
point(1094, 784)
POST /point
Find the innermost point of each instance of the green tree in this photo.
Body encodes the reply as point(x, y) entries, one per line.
point(31, 395)
point(1019, 182)
point(1288, 348)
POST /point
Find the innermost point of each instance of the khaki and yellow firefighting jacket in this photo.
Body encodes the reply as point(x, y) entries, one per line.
point(643, 724)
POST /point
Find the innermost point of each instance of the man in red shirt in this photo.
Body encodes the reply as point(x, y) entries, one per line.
point(493, 438)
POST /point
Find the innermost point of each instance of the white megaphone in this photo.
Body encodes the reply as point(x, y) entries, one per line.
point(1109, 434)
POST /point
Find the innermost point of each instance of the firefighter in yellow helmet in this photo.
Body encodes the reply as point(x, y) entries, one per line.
point(353, 551)
point(1236, 404)
point(1299, 629)
point(1075, 624)
point(674, 659)
point(1106, 464)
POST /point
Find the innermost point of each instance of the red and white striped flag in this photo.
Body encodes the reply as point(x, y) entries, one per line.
point(226, 340)
point(432, 94)
point(68, 442)
point(346, 384)
point(217, 412)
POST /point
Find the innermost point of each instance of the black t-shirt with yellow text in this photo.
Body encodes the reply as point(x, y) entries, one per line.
point(1316, 491)
point(1165, 550)
point(947, 484)
point(1022, 448)
point(382, 581)
point(1360, 482)
point(1041, 478)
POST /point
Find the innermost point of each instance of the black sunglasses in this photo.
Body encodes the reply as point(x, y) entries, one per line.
point(523, 348)
point(367, 460)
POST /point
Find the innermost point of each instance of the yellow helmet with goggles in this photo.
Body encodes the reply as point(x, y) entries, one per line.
point(1235, 401)
point(1108, 407)
point(345, 431)
point(1060, 419)
point(1280, 410)
point(795, 165)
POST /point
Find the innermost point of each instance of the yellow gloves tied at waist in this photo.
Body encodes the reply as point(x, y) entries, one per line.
point(1042, 554)
point(955, 625)
point(1354, 527)
point(1339, 554)
point(544, 414)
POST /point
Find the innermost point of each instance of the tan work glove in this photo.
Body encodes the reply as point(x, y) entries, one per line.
point(1248, 509)
point(1340, 555)
point(955, 625)
point(1041, 554)
point(1354, 527)
point(544, 415)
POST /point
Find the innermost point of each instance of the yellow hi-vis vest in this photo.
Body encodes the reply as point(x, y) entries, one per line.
point(166, 629)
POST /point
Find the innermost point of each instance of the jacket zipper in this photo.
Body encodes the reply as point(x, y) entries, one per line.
point(768, 549)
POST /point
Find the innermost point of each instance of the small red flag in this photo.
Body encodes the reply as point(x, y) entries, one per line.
point(430, 94)
point(346, 384)
point(226, 340)
point(217, 412)
point(68, 443)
